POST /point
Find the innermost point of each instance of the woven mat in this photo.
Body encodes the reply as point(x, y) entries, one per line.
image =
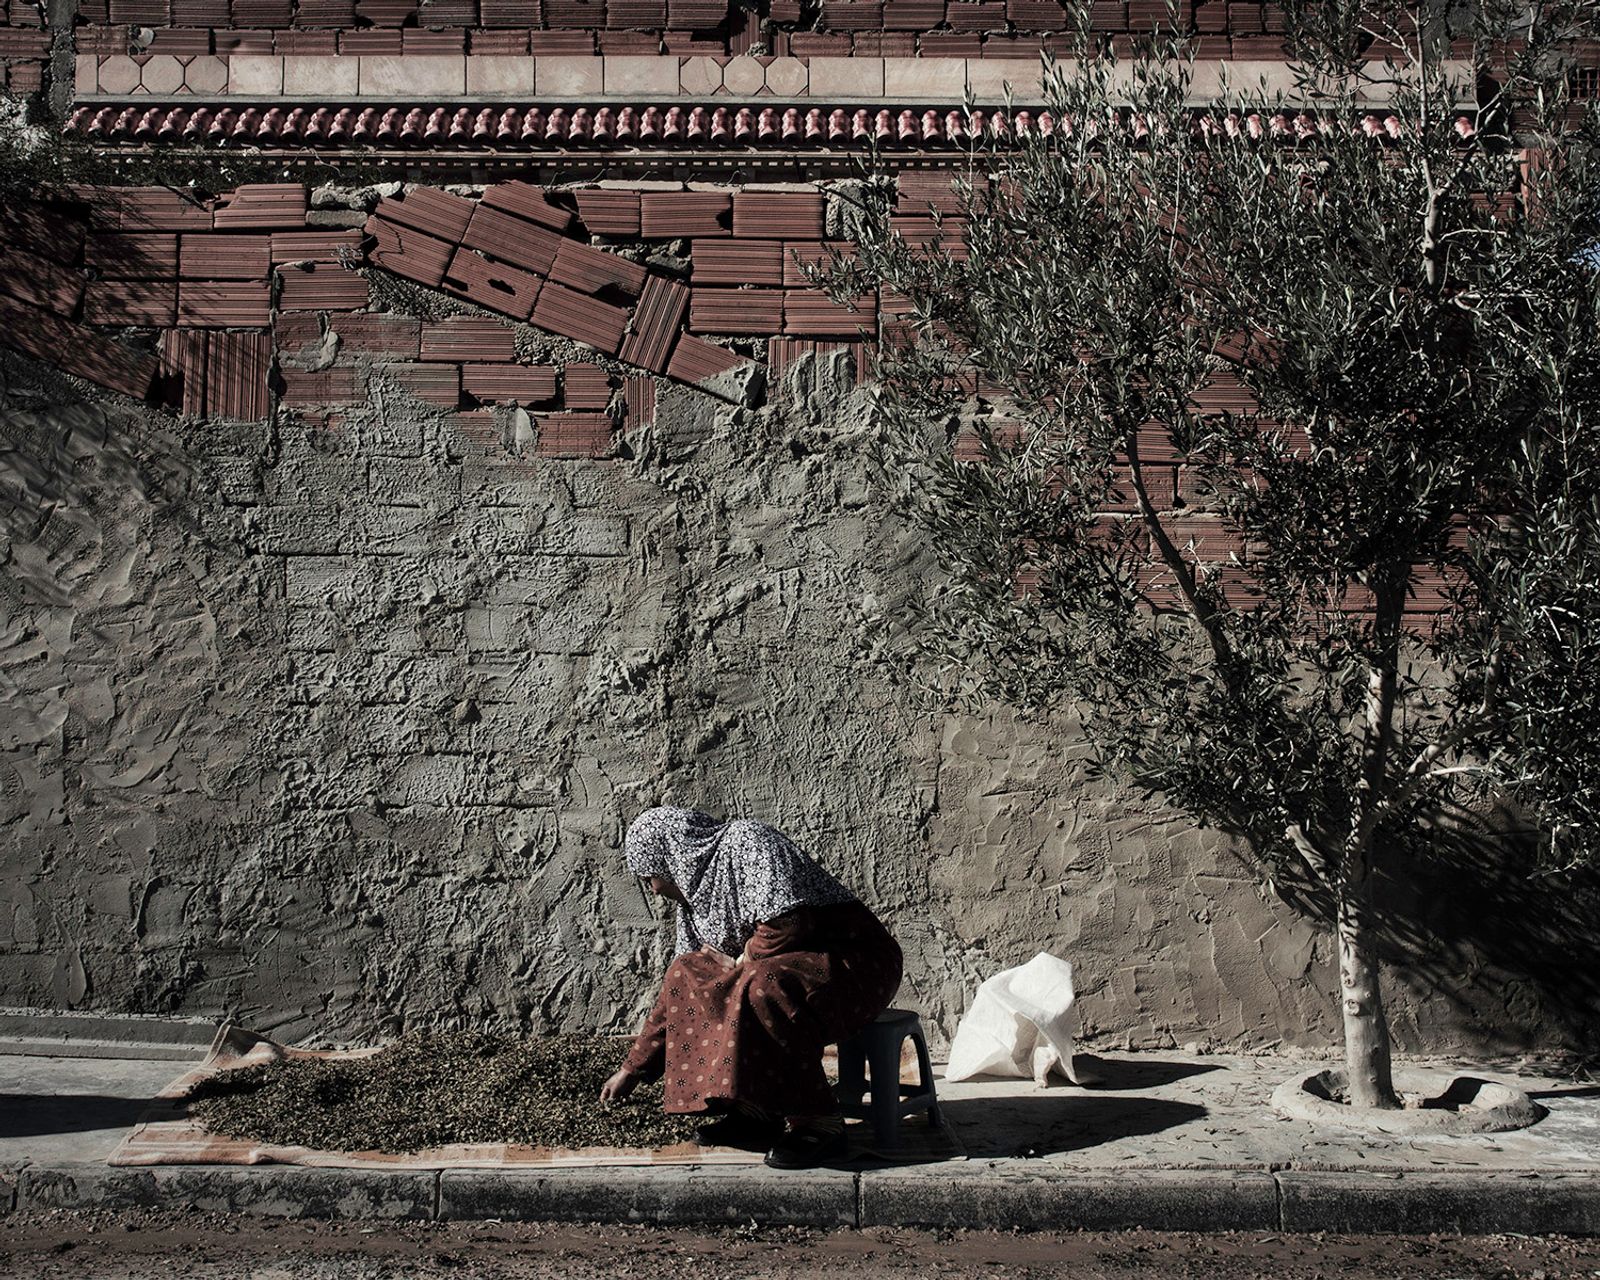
point(166, 1134)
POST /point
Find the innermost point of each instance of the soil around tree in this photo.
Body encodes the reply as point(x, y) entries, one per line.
point(432, 1090)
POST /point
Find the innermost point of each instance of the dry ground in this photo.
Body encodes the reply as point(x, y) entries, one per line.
point(169, 1246)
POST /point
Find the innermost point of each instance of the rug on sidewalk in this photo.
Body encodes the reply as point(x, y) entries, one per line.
point(166, 1134)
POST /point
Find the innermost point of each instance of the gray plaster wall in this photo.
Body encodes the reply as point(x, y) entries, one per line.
point(336, 732)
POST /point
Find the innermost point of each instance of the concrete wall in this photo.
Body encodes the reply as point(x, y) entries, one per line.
point(336, 730)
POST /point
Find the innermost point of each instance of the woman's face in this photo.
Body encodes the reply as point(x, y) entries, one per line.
point(663, 887)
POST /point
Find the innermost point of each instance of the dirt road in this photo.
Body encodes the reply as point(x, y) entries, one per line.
point(87, 1246)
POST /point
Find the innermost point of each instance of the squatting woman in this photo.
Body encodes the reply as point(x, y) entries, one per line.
point(775, 960)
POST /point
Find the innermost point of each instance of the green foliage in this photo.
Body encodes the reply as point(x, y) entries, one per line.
point(1540, 588)
point(1413, 316)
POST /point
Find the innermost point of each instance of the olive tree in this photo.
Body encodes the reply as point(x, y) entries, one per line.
point(1362, 311)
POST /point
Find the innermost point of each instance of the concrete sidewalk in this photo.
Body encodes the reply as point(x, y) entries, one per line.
point(1167, 1141)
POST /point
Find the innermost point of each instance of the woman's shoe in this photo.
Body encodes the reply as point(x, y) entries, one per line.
point(808, 1148)
point(741, 1131)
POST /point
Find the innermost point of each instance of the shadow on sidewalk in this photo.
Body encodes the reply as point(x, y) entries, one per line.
point(24, 1115)
point(1115, 1075)
point(1047, 1125)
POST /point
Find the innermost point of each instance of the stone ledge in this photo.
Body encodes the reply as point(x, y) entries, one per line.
point(1418, 1203)
point(276, 1192)
point(1031, 1198)
point(662, 1195)
point(995, 1195)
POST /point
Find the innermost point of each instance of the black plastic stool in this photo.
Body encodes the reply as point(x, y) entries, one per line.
point(872, 1056)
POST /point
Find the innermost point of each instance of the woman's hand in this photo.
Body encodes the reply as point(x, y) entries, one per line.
point(721, 957)
point(619, 1086)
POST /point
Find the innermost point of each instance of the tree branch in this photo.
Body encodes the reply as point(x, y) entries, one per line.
point(1420, 769)
point(1204, 615)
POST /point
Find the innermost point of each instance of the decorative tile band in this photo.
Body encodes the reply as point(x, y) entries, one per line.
point(527, 127)
point(487, 78)
point(562, 128)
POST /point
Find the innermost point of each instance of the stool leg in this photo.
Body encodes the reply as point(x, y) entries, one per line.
point(885, 1067)
point(852, 1072)
point(925, 1078)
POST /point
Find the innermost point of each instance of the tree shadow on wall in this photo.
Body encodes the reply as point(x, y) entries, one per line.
point(70, 449)
point(1464, 917)
point(82, 471)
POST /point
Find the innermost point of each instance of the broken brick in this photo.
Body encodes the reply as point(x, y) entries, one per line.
point(321, 286)
point(511, 383)
point(666, 215)
point(527, 201)
point(574, 435)
point(594, 270)
point(221, 257)
point(585, 386)
point(408, 252)
point(435, 213)
point(130, 302)
point(464, 338)
point(270, 205)
point(657, 321)
point(511, 239)
point(609, 213)
point(492, 284)
point(694, 360)
point(225, 304)
point(578, 316)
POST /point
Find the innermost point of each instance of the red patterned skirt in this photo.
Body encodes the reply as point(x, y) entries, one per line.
point(754, 1032)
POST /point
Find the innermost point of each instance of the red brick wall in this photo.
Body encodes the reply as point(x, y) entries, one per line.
point(24, 47)
point(223, 306)
point(235, 306)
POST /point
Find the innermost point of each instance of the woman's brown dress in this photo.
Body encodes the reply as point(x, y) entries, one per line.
point(754, 1032)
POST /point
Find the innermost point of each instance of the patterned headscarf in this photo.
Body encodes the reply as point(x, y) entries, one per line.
point(734, 874)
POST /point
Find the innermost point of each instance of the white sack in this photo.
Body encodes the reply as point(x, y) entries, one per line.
point(1019, 1025)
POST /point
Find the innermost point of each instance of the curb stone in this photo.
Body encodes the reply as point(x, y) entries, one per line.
point(676, 1196)
point(975, 1196)
point(277, 1192)
point(1040, 1199)
point(1426, 1202)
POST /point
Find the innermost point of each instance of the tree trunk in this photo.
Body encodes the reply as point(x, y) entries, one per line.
point(1366, 1029)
